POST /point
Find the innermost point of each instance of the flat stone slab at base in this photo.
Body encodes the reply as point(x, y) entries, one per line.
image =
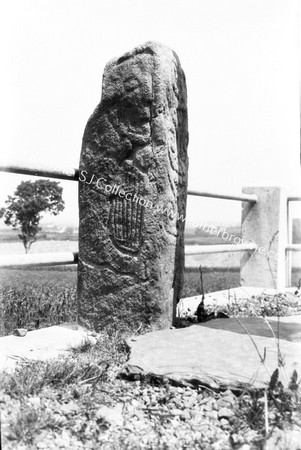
point(217, 353)
point(42, 344)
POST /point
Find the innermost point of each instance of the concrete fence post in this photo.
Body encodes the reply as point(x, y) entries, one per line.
point(265, 224)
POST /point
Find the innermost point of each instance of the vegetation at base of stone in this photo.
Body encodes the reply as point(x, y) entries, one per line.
point(79, 402)
point(62, 403)
point(282, 411)
point(264, 305)
point(37, 306)
point(33, 299)
point(42, 296)
point(85, 364)
point(38, 275)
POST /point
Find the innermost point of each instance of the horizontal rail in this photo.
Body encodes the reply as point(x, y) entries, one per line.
point(39, 259)
point(294, 199)
point(73, 174)
point(239, 197)
point(62, 258)
point(40, 171)
point(222, 248)
point(293, 248)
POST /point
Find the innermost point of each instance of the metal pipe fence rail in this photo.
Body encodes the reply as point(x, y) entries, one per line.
point(39, 259)
point(41, 171)
point(73, 175)
point(64, 258)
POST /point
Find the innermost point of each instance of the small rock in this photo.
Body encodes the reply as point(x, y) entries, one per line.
point(187, 393)
point(178, 402)
point(224, 422)
point(208, 407)
point(203, 428)
point(217, 446)
point(139, 414)
point(112, 415)
point(225, 413)
point(249, 436)
point(213, 415)
point(196, 415)
point(227, 393)
point(224, 403)
point(125, 398)
point(188, 402)
point(215, 405)
point(130, 411)
point(202, 400)
point(236, 439)
point(272, 415)
point(185, 414)
point(146, 399)
point(35, 401)
point(69, 408)
point(41, 445)
point(284, 439)
point(21, 332)
point(176, 412)
point(93, 334)
point(230, 399)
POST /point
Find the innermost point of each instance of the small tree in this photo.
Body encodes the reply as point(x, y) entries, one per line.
point(23, 210)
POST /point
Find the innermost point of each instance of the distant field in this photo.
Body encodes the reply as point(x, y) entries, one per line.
point(10, 235)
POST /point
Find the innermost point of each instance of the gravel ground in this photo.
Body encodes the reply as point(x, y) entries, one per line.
point(137, 415)
point(81, 403)
point(127, 415)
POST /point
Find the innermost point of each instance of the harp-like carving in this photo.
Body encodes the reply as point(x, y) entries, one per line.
point(126, 222)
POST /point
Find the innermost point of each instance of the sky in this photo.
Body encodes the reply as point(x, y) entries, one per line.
point(242, 63)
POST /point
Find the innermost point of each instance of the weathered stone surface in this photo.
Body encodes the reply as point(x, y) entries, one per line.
point(216, 353)
point(134, 165)
point(42, 344)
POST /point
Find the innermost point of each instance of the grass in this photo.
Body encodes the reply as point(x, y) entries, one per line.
point(37, 298)
point(279, 305)
point(60, 400)
point(53, 275)
point(37, 306)
point(84, 364)
point(63, 392)
point(40, 297)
